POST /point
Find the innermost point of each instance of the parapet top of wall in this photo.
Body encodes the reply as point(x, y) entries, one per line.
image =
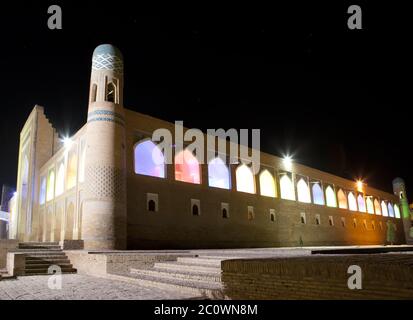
point(148, 124)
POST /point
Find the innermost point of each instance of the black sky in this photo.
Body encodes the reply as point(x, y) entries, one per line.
point(338, 99)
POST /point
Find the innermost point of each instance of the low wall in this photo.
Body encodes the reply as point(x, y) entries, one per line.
point(5, 246)
point(16, 262)
point(102, 263)
point(388, 276)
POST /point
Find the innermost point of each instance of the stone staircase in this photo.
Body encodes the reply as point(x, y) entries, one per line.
point(39, 256)
point(200, 275)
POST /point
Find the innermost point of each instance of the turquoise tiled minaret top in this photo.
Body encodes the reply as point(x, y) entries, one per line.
point(107, 57)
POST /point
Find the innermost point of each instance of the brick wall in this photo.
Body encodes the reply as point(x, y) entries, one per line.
point(386, 276)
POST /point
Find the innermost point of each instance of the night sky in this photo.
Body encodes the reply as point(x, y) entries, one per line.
point(337, 99)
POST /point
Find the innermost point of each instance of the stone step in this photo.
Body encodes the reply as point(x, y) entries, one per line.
point(45, 254)
point(38, 243)
point(35, 272)
point(222, 258)
point(32, 260)
point(184, 283)
point(40, 247)
point(200, 262)
point(63, 266)
point(185, 267)
point(191, 276)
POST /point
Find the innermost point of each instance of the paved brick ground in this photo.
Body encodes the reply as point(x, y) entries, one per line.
point(79, 287)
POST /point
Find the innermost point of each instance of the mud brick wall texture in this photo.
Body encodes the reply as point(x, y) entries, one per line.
point(386, 276)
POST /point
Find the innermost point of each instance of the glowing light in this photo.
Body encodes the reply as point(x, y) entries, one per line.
point(218, 174)
point(288, 162)
point(267, 184)
point(359, 185)
point(149, 160)
point(330, 197)
point(245, 179)
point(352, 203)
point(303, 192)
point(370, 206)
point(287, 188)
point(318, 194)
point(362, 203)
point(67, 142)
point(187, 167)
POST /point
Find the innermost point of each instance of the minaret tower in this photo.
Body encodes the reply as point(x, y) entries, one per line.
point(104, 205)
point(399, 189)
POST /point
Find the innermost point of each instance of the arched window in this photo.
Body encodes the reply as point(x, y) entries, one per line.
point(303, 191)
point(377, 207)
point(71, 170)
point(318, 194)
point(352, 203)
point(149, 160)
point(362, 203)
point(245, 179)
point(287, 187)
point(225, 213)
point(195, 210)
point(50, 186)
point(396, 211)
point(187, 167)
point(267, 184)
point(342, 199)
point(151, 206)
point(384, 211)
point(390, 210)
point(330, 197)
point(370, 206)
point(111, 92)
point(60, 181)
point(218, 174)
point(42, 197)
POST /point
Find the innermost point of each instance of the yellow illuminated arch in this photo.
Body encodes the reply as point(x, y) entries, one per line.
point(303, 191)
point(245, 179)
point(377, 207)
point(330, 197)
point(287, 188)
point(267, 184)
point(370, 205)
point(342, 199)
point(72, 170)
